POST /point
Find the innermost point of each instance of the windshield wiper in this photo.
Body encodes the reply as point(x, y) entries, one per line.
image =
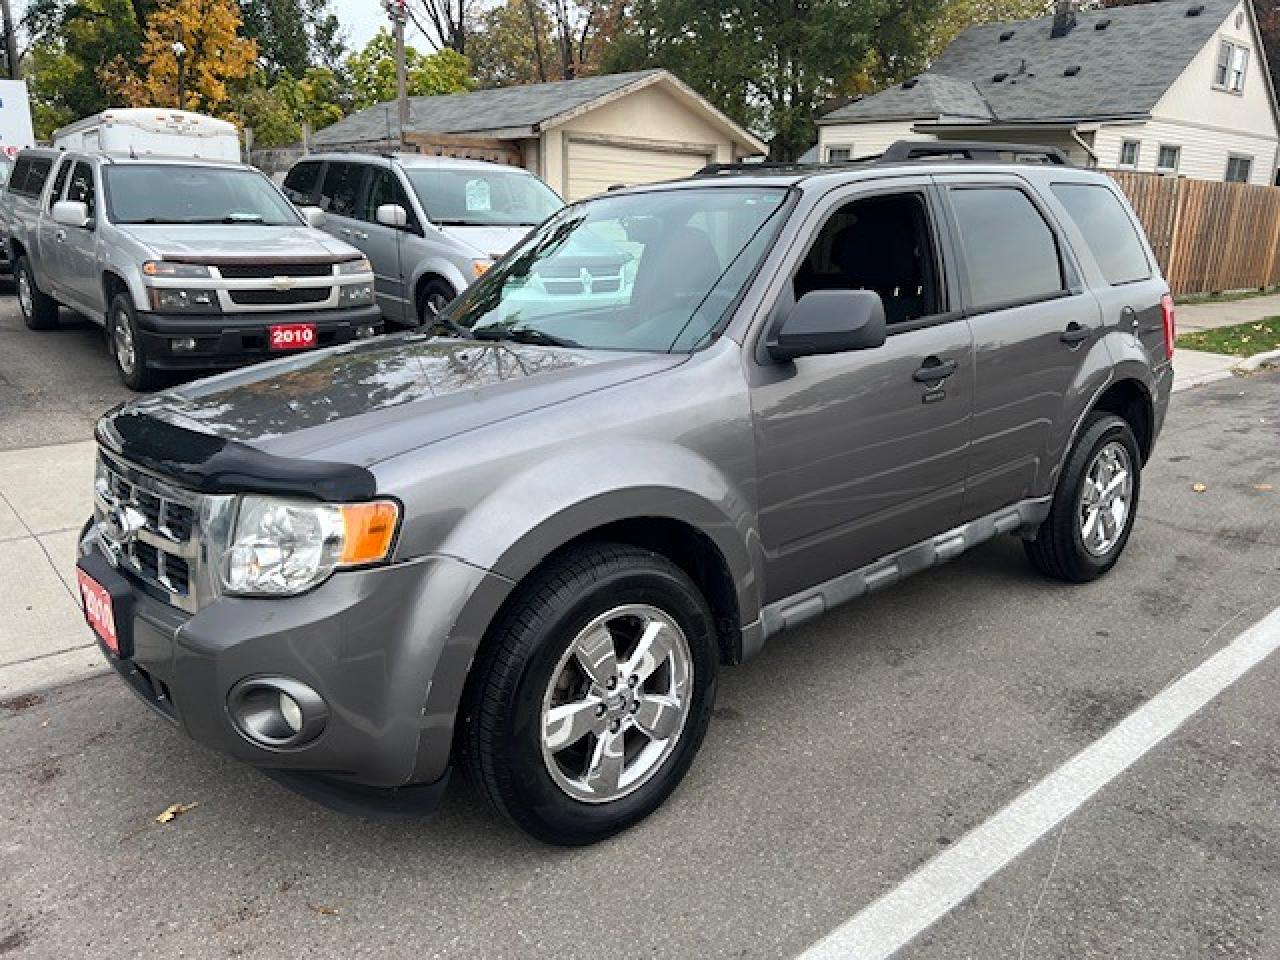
point(537, 338)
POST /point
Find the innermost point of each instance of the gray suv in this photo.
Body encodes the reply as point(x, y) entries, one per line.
point(526, 541)
point(429, 225)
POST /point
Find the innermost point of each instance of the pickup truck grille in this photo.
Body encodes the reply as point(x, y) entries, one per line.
point(161, 551)
point(266, 271)
point(262, 298)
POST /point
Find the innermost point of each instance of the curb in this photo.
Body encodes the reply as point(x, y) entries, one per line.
point(1259, 361)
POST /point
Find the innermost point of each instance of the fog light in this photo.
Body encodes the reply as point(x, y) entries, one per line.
point(365, 331)
point(182, 344)
point(277, 712)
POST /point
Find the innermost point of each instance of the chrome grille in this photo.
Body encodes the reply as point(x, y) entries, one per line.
point(148, 528)
point(572, 281)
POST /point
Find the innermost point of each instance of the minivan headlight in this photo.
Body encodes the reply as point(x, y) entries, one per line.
point(285, 547)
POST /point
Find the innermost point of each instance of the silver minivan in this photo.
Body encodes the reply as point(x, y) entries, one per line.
point(429, 225)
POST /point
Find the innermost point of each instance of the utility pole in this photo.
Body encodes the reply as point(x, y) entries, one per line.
point(399, 14)
point(180, 55)
point(10, 42)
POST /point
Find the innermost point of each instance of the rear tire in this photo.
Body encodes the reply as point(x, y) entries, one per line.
point(126, 346)
point(1094, 506)
point(568, 728)
point(39, 310)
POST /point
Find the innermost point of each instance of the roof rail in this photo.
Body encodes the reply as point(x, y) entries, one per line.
point(976, 150)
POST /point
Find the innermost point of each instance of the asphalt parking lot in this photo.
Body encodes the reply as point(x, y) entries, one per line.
point(850, 754)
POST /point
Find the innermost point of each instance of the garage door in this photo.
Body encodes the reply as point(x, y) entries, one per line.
point(595, 167)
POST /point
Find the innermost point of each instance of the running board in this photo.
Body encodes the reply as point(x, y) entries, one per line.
point(1024, 517)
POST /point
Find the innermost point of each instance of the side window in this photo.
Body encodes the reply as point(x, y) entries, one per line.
point(40, 167)
point(18, 179)
point(60, 181)
point(341, 188)
point(1107, 230)
point(882, 243)
point(81, 188)
point(300, 184)
point(1009, 249)
point(384, 187)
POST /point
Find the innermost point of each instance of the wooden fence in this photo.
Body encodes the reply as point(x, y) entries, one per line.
point(1209, 237)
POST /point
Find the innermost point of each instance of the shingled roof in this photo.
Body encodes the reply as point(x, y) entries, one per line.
point(1115, 63)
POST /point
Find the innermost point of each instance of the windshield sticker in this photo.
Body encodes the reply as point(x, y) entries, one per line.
point(478, 196)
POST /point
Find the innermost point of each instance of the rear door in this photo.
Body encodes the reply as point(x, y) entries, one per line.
point(1034, 324)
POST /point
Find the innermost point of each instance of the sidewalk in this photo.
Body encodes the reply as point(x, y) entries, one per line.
point(44, 500)
point(1192, 368)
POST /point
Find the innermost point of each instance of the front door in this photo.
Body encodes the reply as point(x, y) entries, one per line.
point(382, 245)
point(78, 246)
point(863, 453)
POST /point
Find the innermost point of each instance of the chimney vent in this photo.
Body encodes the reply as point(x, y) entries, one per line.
point(1006, 36)
point(1102, 24)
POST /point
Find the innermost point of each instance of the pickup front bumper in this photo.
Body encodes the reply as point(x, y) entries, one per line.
point(233, 339)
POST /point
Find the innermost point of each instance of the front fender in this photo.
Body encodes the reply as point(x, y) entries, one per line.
point(435, 265)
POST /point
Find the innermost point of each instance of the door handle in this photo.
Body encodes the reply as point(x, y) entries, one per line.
point(934, 369)
point(1075, 334)
point(60, 236)
point(361, 235)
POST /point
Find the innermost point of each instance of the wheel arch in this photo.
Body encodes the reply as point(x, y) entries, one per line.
point(1130, 399)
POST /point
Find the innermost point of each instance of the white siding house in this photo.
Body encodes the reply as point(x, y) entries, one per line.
point(1179, 87)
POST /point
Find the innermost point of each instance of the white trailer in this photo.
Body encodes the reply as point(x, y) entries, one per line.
point(16, 132)
point(140, 132)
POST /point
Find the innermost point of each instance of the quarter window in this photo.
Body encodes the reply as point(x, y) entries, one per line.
point(1168, 159)
point(1108, 231)
point(341, 189)
point(1129, 153)
point(1009, 249)
point(1238, 169)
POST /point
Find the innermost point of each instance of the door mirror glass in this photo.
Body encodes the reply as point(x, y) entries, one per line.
point(830, 321)
point(313, 215)
point(392, 215)
point(71, 213)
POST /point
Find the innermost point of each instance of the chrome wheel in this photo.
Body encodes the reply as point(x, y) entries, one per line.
point(1106, 498)
point(122, 342)
point(616, 703)
point(435, 303)
point(25, 300)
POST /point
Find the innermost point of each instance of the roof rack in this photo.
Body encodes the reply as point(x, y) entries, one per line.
point(975, 150)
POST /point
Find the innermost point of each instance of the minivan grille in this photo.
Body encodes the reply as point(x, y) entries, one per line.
point(572, 281)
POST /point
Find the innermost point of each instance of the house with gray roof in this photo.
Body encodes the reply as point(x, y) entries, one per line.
point(581, 136)
point(1179, 87)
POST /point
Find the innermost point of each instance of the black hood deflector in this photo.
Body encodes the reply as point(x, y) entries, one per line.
point(210, 464)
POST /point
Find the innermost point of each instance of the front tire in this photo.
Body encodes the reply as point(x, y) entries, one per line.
point(39, 310)
point(126, 346)
point(434, 297)
point(590, 700)
point(1094, 506)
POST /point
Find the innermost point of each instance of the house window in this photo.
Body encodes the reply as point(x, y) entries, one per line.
point(1129, 153)
point(1167, 162)
point(1238, 169)
point(1231, 67)
point(839, 154)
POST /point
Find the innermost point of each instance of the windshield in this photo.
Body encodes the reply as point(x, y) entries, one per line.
point(153, 193)
point(483, 198)
point(648, 271)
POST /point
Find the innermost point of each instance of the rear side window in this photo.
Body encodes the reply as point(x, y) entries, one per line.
point(300, 184)
point(341, 188)
point(1009, 249)
point(1107, 230)
point(29, 175)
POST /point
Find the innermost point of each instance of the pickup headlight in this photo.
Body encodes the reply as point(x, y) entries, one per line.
point(350, 267)
point(183, 300)
point(163, 268)
point(356, 295)
point(285, 547)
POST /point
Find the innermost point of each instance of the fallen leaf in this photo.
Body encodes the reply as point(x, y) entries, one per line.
point(323, 910)
point(175, 810)
point(1263, 487)
point(1199, 487)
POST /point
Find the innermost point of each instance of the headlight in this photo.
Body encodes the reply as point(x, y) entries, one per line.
point(183, 300)
point(162, 268)
point(284, 547)
point(349, 267)
point(356, 294)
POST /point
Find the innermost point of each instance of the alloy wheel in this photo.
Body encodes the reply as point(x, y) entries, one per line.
point(25, 299)
point(1106, 498)
point(122, 341)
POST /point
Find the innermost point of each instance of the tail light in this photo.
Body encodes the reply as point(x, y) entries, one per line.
point(1170, 325)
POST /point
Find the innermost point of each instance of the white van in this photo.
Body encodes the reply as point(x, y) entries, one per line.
point(141, 132)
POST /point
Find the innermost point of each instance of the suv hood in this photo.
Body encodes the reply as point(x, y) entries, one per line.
point(368, 401)
point(210, 241)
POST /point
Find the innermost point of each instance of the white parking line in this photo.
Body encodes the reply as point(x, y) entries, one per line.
point(946, 881)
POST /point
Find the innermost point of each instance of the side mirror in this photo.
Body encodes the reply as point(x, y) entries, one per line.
point(313, 215)
point(829, 321)
point(392, 215)
point(71, 213)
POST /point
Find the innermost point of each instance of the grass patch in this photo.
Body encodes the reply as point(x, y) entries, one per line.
point(1242, 340)
point(1194, 298)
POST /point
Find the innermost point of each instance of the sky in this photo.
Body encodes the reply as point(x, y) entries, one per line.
point(362, 18)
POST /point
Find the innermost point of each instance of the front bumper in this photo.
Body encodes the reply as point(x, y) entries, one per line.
point(377, 645)
point(234, 339)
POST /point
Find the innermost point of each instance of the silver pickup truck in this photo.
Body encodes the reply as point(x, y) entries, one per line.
point(187, 264)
